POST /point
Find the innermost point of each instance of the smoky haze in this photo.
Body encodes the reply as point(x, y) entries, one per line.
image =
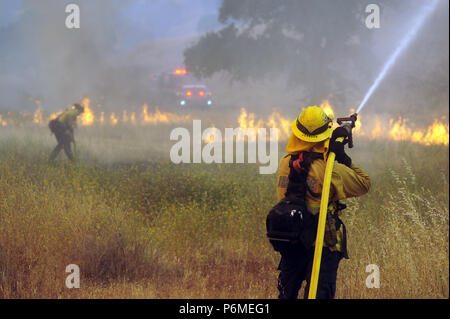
point(41, 59)
point(307, 52)
point(417, 84)
point(44, 60)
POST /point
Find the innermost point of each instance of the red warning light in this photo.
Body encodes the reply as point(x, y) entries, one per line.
point(201, 93)
point(188, 93)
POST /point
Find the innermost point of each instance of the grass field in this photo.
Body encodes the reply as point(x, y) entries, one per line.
point(139, 226)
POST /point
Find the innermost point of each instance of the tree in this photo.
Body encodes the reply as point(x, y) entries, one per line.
point(316, 44)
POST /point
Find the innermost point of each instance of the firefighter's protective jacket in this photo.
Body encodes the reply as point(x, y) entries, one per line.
point(69, 119)
point(346, 181)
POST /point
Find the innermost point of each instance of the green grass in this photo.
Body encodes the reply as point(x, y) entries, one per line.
point(141, 227)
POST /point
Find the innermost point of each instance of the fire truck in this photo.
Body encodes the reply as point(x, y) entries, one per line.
point(180, 89)
point(195, 95)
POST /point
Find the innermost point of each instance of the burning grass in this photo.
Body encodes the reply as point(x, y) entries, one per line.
point(376, 128)
point(140, 227)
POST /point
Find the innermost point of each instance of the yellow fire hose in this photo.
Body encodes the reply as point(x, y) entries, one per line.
point(321, 225)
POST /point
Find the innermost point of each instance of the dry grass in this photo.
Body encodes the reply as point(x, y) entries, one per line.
point(156, 230)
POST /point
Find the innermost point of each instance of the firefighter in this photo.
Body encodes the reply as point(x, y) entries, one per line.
point(313, 132)
point(63, 127)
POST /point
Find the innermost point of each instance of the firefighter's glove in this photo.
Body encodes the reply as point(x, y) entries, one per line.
point(338, 147)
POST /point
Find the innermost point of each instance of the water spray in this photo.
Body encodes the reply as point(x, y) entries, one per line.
point(349, 122)
point(391, 61)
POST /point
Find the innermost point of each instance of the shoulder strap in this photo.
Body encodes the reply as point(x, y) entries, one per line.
point(299, 165)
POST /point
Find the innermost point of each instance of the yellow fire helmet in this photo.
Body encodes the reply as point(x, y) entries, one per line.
point(313, 125)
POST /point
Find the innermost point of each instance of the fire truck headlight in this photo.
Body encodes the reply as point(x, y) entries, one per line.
point(209, 102)
point(183, 102)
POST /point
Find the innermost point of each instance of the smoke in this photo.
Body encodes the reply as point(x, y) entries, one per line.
point(51, 62)
point(412, 55)
point(115, 57)
point(42, 59)
point(398, 51)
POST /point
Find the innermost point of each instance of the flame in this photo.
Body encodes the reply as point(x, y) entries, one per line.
point(113, 119)
point(284, 125)
point(274, 120)
point(437, 133)
point(53, 116)
point(326, 107)
point(396, 129)
point(160, 117)
point(358, 128)
point(210, 139)
point(401, 130)
point(87, 118)
point(2, 121)
point(242, 120)
point(376, 131)
point(38, 116)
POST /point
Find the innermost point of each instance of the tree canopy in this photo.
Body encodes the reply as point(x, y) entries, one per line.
point(314, 43)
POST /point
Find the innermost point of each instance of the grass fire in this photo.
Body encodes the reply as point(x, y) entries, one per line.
point(130, 222)
point(224, 150)
point(396, 129)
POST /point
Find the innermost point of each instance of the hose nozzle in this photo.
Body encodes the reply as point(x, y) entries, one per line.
point(348, 123)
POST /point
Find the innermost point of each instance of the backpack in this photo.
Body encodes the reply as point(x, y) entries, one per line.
point(56, 127)
point(289, 224)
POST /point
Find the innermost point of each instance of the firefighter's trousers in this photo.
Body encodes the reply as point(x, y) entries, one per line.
point(296, 266)
point(64, 141)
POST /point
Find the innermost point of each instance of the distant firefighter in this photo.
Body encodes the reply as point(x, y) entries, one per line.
point(63, 127)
